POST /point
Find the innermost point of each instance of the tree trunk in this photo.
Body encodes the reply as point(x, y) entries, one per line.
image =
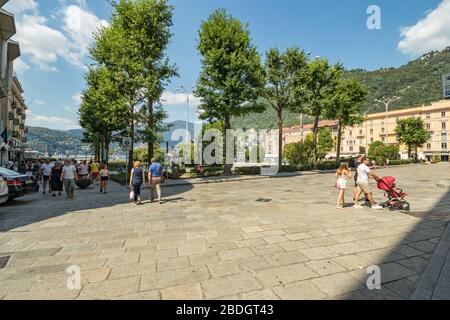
point(315, 133)
point(409, 152)
point(417, 155)
point(131, 151)
point(227, 166)
point(107, 145)
point(338, 146)
point(151, 128)
point(280, 137)
point(102, 150)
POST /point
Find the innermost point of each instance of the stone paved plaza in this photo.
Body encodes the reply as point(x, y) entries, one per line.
point(215, 241)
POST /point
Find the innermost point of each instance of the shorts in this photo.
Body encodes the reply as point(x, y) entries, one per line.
point(365, 187)
point(45, 178)
point(104, 178)
point(95, 175)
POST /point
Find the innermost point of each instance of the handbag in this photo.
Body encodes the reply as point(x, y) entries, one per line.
point(132, 195)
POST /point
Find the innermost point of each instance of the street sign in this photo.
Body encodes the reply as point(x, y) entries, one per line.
point(126, 143)
point(446, 85)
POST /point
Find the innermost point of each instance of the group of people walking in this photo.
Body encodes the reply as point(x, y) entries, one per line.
point(58, 175)
point(155, 179)
point(363, 173)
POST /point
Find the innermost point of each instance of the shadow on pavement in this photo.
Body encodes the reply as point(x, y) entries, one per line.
point(402, 266)
point(27, 210)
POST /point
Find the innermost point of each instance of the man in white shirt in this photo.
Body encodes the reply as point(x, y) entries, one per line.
point(46, 170)
point(69, 176)
point(363, 184)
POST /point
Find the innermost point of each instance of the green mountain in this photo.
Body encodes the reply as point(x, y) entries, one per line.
point(416, 83)
point(54, 141)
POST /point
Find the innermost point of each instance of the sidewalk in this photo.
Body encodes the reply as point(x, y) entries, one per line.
point(435, 281)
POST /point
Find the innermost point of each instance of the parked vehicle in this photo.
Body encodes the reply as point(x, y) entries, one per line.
point(18, 184)
point(4, 193)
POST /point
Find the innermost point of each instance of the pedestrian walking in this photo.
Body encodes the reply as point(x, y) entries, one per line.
point(95, 170)
point(364, 173)
point(46, 169)
point(104, 179)
point(69, 176)
point(343, 174)
point(137, 179)
point(156, 178)
point(83, 170)
point(55, 179)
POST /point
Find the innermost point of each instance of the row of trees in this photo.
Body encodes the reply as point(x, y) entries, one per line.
point(131, 71)
point(128, 77)
point(233, 82)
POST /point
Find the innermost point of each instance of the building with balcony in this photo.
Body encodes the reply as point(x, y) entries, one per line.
point(382, 127)
point(12, 106)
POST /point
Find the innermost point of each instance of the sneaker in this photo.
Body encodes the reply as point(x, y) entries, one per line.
point(377, 207)
point(340, 207)
point(357, 206)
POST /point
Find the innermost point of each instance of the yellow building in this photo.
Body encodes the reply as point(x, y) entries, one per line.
point(381, 127)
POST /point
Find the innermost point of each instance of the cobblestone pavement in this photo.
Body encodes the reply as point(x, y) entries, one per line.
point(215, 241)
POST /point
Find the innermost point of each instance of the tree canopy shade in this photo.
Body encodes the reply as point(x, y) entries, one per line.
point(132, 50)
point(412, 132)
point(345, 107)
point(285, 74)
point(321, 84)
point(232, 77)
point(102, 111)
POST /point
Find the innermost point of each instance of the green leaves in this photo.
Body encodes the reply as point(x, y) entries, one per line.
point(232, 75)
point(412, 132)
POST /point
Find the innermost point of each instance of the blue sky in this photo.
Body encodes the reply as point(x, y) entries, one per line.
point(54, 35)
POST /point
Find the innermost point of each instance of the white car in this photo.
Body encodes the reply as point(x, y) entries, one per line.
point(3, 191)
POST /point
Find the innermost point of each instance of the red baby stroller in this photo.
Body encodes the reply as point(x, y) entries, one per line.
point(396, 196)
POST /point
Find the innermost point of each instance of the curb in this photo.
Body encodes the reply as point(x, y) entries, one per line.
point(430, 278)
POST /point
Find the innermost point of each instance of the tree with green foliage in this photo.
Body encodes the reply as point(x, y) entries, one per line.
point(413, 133)
point(285, 74)
point(133, 48)
point(103, 109)
point(298, 153)
point(373, 147)
point(141, 154)
point(232, 77)
point(146, 26)
point(345, 107)
point(321, 84)
point(325, 143)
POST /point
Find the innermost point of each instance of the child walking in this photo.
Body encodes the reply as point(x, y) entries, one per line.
point(104, 179)
point(343, 174)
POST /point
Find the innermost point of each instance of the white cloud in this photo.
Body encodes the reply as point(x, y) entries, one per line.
point(43, 45)
point(80, 24)
point(39, 102)
point(51, 122)
point(76, 98)
point(172, 98)
point(20, 66)
point(430, 33)
point(21, 6)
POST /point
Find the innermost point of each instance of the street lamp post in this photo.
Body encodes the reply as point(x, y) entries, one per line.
point(188, 99)
point(386, 102)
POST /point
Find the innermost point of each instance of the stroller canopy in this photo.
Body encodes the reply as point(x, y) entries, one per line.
point(386, 183)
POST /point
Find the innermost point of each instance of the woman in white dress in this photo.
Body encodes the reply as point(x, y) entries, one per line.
point(343, 174)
